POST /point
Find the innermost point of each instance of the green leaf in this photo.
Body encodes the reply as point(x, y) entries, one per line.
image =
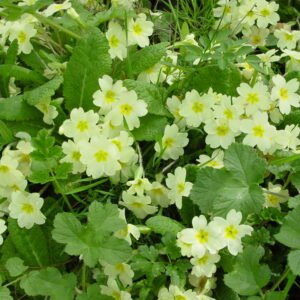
point(90, 61)
point(248, 276)
point(6, 136)
point(16, 109)
point(236, 187)
point(274, 296)
point(295, 179)
point(15, 266)
point(294, 261)
point(162, 225)
point(289, 233)
point(20, 73)
point(154, 97)
point(145, 58)
point(63, 169)
point(93, 293)
point(5, 293)
point(43, 92)
point(151, 128)
point(221, 81)
point(94, 240)
point(31, 244)
point(50, 282)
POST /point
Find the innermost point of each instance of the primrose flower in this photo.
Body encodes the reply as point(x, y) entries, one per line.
point(266, 13)
point(53, 8)
point(49, 111)
point(18, 183)
point(256, 36)
point(139, 205)
point(174, 292)
point(178, 186)
point(117, 41)
point(8, 170)
point(2, 229)
point(114, 291)
point(159, 194)
point(215, 161)
point(139, 31)
point(287, 39)
point(81, 125)
point(100, 156)
point(268, 57)
point(230, 231)
point(139, 186)
point(127, 4)
point(153, 74)
point(73, 156)
point(286, 93)
point(26, 208)
point(124, 145)
point(273, 200)
point(172, 143)
point(173, 105)
point(259, 131)
point(205, 265)
point(195, 108)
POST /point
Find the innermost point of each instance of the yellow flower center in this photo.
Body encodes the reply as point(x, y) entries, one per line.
point(228, 113)
point(202, 260)
point(4, 169)
point(116, 295)
point(180, 188)
point(118, 144)
point(284, 94)
point(197, 107)
point(138, 204)
point(288, 36)
point(222, 130)
point(22, 37)
point(227, 9)
point(265, 12)
point(25, 158)
point(202, 236)
point(252, 98)
point(125, 109)
point(258, 131)
point(110, 96)
point(273, 200)
point(251, 14)
point(179, 297)
point(27, 208)
point(137, 29)
point(114, 41)
point(214, 163)
point(82, 126)
point(256, 39)
point(58, 6)
point(44, 108)
point(76, 155)
point(168, 142)
point(101, 156)
point(15, 188)
point(150, 70)
point(158, 191)
point(231, 232)
point(120, 267)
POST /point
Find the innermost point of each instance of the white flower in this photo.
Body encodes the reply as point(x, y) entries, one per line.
point(254, 98)
point(230, 231)
point(8, 170)
point(73, 156)
point(128, 230)
point(291, 133)
point(174, 292)
point(117, 41)
point(2, 229)
point(139, 31)
point(172, 143)
point(220, 133)
point(17, 183)
point(178, 186)
point(128, 4)
point(113, 290)
point(246, 10)
point(266, 13)
point(124, 145)
point(121, 270)
point(190, 39)
point(139, 205)
point(185, 248)
point(173, 105)
point(53, 8)
point(205, 265)
point(294, 63)
point(23, 32)
point(287, 39)
point(215, 161)
point(81, 125)
point(153, 74)
point(202, 237)
point(195, 108)
point(130, 109)
point(259, 131)
point(273, 200)
point(256, 36)
point(25, 207)
point(49, 111)
point(139, 186)
point(268, 57)
point(285, 92)
point(159, 194)
point(110, 93)
point(100, 156)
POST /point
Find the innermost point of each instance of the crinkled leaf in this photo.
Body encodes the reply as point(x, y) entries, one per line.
point(294, 261)
point(248, 275)
point(5, 293)
point(162, 225)
point(15, 266)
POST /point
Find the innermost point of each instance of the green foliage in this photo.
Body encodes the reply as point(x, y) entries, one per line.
point(235, 187)
point(248, 276)
point(15, 266)
point(162, 225)
point(94, 240)
point(50, 282)
point(90, 61)
point(294, 261)
point(5, 293)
